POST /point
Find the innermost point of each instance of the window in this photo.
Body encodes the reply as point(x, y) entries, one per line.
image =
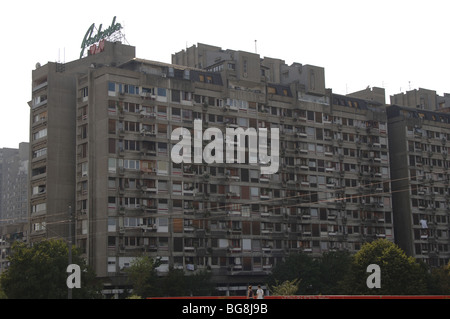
point(40, 134)
point(176, 188)
point(149, 91)
point(39, 100)
point(162, 149)
point(131, 107)
point(112, 163)
point(84, 169)
point(132, 202)
point(175, 96)
point(131, 164)
point(132, 145)
point(111, 202)
point(111, 126)
point(40, 117)
point(39, 226)
point(40, 152)
point(176, 114)
point(163, 167)
point(112, 145)
point(131, 222)
point(111, 224)
point(162, 112)
point(319, 134)
point(312, 164)
point(112, 107)
point(162, 92)
point(187, 115)
point(131, 126)
point(84, 92)
point(111, 183)
point(83, 150)
point(310, 131)
point(39, 207)
point(131, 89)
point(39, 189)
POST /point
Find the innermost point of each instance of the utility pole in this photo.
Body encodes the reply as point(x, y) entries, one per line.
point(69, 296)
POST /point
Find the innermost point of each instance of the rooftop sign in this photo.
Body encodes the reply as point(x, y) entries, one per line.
point(90, 39)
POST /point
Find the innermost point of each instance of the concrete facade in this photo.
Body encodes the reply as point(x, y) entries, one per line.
point(328, 193)
point(13, 184)
point(418, 140)
point(52, 141)
point(109, 119)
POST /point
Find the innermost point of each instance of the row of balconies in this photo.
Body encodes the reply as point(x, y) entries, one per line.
point(421, 136)
point(263, 216)
point(146, 176)
point(276, 228)
point(297, 245)
point(429, 154)
point(432, 194)
point(263, 113)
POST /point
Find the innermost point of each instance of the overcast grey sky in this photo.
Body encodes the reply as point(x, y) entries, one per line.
point(395, 44)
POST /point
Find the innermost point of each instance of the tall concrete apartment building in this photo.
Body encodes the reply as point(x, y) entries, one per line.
point(419, 143)
point(107, 153)
point(13, 199)
point(13, 184)
point(53, 155)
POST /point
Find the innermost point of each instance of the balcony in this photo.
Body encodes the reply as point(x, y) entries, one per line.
point(40, 86)
point(39, 103)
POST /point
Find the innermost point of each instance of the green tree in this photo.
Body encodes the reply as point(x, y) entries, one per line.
point(2, 294)
point(176, 283)
point(40, 272)
point(143, 276)
point(334, 267)
point(286, 288)
point(298, 266)
point(400, 274)
point(440, 280)
point(199, 284)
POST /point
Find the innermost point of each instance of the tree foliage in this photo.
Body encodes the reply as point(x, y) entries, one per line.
point(342, 273)
point(177, 283)
point(40, 272)
point(146, 282)
point(143, 276)
point(333, 269)
point(316, 276)
point(440, 280)
point(298, 266)
point(400, 274)
point(286, 288)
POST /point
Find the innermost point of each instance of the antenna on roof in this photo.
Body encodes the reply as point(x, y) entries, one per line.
point(256, 50)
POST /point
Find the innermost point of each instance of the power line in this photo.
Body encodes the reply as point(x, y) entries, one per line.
point(217, 213)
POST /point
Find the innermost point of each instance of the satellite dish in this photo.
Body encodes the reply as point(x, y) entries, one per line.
point(38, 65)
